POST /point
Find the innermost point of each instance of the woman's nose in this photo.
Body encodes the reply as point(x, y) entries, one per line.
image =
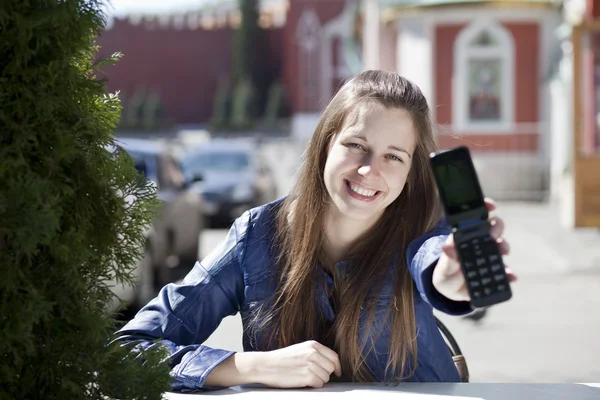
point(369, 167)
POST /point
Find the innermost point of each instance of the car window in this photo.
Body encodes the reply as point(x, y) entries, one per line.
point(140, 162)
point(144, 164)
point(218, 161)
point(140, 166)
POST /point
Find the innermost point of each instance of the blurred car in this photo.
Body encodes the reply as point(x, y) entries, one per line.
point(231, 177)
point(174, 236)
point(188, 139)
point(143, 273)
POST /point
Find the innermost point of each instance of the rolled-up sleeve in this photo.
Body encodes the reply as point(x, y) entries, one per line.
point(184, 315)
point(422, 256)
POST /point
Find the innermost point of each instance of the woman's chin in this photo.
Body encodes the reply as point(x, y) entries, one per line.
point(358, 211)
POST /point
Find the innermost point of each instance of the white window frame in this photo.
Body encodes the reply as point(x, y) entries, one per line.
point(463, 53)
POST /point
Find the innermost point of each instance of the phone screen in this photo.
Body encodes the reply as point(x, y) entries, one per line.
point(457, 182)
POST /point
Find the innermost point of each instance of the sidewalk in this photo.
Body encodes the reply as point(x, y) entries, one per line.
point(548, 331)
point(540, 244)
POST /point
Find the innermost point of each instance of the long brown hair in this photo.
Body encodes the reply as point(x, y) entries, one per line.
point(296, 316)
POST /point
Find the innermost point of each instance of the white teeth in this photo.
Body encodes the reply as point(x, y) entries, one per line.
point(363, 192)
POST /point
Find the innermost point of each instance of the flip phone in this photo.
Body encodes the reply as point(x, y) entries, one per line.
point(467, 214)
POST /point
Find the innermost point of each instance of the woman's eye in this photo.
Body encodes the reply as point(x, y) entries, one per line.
point(355, 146)
point(395, 158)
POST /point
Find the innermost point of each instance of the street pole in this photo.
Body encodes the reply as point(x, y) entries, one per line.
point(371, 34)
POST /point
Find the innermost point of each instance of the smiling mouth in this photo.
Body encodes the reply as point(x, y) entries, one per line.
point(361, 193)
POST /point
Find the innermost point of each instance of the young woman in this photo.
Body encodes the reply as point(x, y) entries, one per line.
point(338, 280)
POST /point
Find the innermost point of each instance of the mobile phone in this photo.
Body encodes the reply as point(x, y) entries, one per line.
point(479, 254)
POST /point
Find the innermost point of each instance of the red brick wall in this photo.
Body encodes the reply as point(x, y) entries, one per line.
point(593, 8)
point(526, 40)
point(527, 46)
point(444, 61)
point(184, 66)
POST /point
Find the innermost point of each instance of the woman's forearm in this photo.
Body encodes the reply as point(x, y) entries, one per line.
point(239, 369)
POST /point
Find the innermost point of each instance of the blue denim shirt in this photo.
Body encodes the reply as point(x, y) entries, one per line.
point(237, 277)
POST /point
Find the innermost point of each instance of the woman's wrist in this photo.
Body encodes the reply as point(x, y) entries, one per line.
point(248, 366)
point(239, 369)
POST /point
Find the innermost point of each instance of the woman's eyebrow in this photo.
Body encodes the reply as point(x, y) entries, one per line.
point(391, 147)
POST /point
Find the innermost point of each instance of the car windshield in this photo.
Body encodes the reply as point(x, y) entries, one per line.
point(138, 161)
point(220, 161)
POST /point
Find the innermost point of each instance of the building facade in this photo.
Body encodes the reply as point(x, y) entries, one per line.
point(515, 81)
point(484, 67)
point(578, 175)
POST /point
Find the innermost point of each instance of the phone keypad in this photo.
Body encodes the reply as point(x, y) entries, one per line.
point(483, 267)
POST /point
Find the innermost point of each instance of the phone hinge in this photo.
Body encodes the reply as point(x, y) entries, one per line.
point(462, 225)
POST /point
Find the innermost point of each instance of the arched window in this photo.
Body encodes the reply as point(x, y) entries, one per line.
point(483, 84)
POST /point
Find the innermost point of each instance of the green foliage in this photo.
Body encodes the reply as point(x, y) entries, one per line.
point(275, 103)
point(243, 111)
point(132, 113)
point(221, 106)
point(143, 111)
point(65, 225)
point(245, 41)
point(151, 110)
point(237, 108)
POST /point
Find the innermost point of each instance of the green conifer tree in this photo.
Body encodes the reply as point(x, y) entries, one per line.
point(72, 212)
point(243, 112)
point(246, 37)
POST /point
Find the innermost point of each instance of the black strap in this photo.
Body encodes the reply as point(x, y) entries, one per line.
point(452, 344)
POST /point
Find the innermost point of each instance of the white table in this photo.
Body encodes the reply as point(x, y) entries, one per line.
point(416, 391)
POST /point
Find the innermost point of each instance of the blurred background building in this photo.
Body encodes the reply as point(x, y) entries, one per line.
point(513, 80)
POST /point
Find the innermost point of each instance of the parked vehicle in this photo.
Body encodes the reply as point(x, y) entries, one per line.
point(231, 176)
point(188, 139)
point(140, 294)
point(174, 236)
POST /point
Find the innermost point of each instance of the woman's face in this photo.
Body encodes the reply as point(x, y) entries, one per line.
point(369, 161)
